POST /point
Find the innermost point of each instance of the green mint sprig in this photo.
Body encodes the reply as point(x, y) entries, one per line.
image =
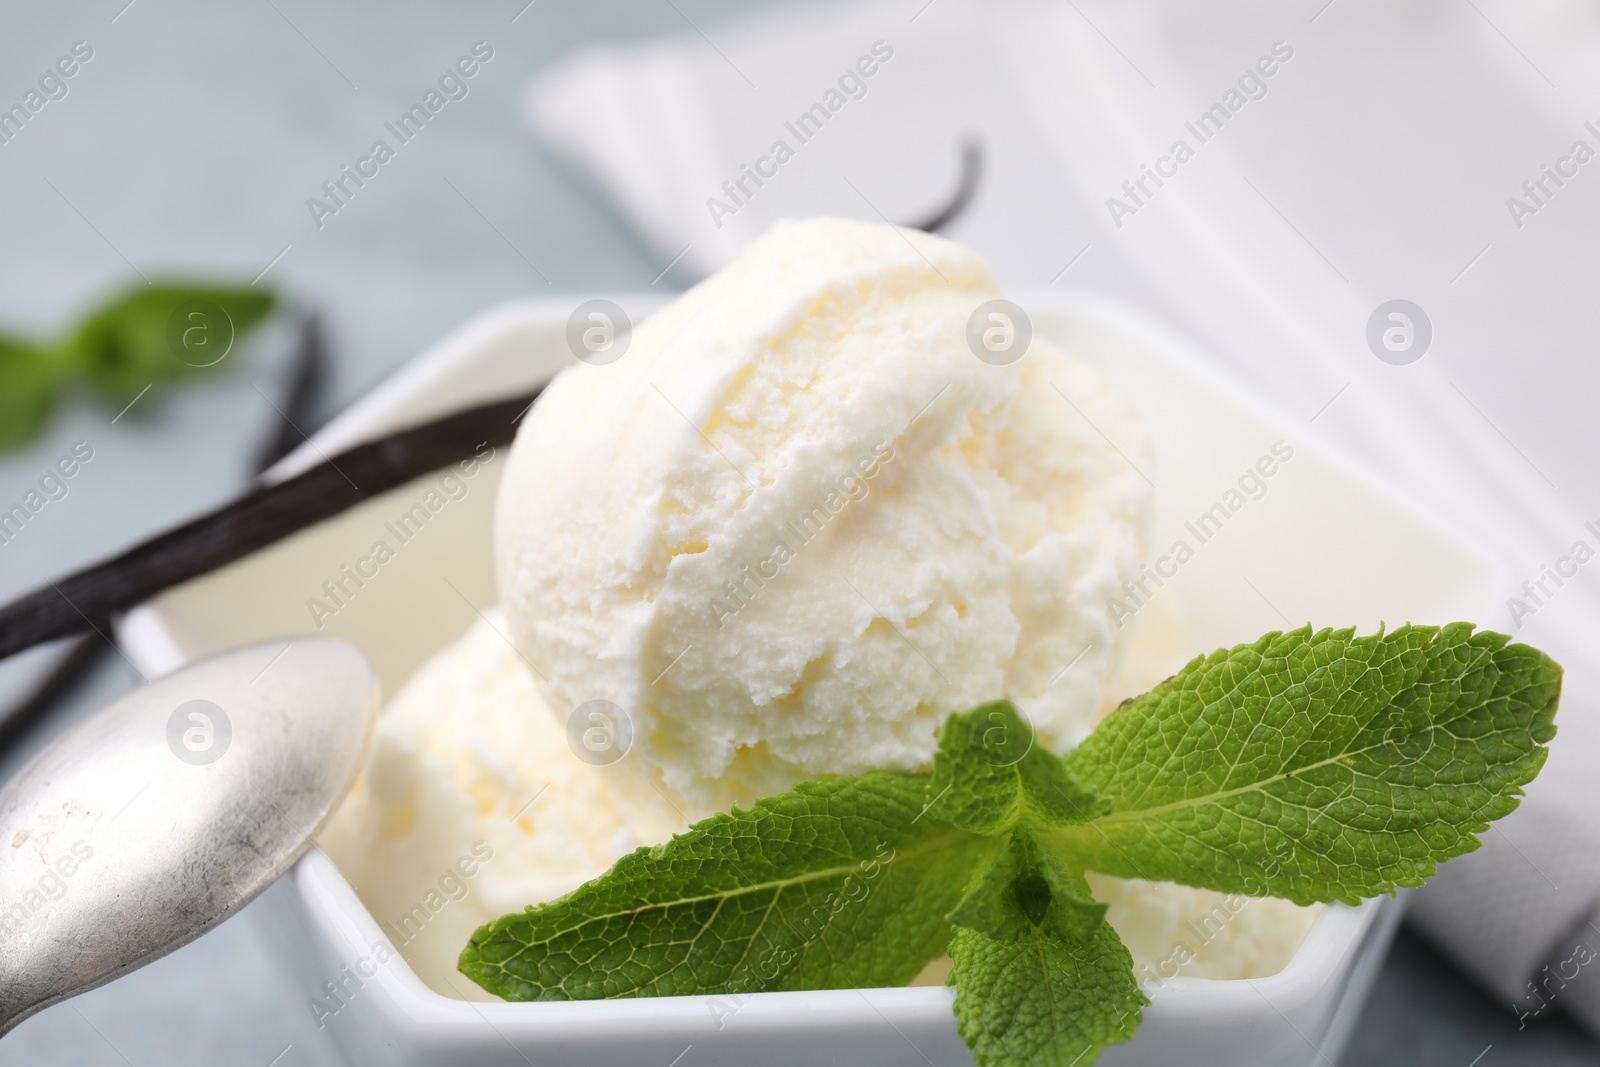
point(1316, 766)
point(146, 336)
point(836, 883)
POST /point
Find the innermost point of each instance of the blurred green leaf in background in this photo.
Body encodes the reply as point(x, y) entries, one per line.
point(28, 384)
point(142, 338)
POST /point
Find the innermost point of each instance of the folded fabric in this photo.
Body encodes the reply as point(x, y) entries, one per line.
point(1074, 106)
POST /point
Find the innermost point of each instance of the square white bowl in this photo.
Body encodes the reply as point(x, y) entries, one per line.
point(1326, 542)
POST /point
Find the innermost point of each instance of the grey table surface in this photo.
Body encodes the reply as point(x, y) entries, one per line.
point(191, 142)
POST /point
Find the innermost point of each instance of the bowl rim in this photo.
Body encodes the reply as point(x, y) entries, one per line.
point(1335, 937)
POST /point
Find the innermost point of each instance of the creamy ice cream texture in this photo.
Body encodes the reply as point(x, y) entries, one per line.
point(472, 806)
point(800, 521)
point(796, 525)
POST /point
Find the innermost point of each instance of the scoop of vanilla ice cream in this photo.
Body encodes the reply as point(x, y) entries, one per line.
point(472, 806)
point(799, 521)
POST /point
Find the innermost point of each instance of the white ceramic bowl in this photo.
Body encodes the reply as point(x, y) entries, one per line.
point(1327, 542)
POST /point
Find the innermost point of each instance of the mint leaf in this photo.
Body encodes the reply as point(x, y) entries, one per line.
point(1073, 912)
point(141, 338)
point(992, 772)
point(157, 332)
point(1040, 976)
point(839, 883)
point(1028, 885)
point(1043, 1000)
point(27, 390)
point(992, 905)
point(1317, 766)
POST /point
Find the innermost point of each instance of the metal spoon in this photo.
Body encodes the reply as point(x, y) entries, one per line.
point(169, 810)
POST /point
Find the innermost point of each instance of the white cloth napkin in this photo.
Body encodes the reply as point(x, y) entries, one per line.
point(1343, 185)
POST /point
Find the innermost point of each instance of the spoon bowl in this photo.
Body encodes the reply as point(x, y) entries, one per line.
point(170, 809)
